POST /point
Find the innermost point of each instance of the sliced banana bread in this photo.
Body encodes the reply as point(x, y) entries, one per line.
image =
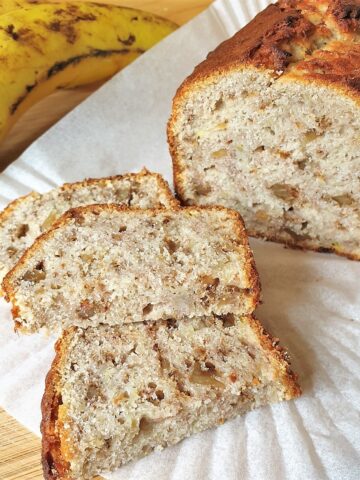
point(26, 218)
point(112, 264)
point(269, 124)
point(116, 393)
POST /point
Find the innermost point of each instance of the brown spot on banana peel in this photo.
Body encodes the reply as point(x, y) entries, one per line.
point(60, 66)
point(69, 9)
point(16, 104)
point(75, 14)
point(66, 27)
point(10, 30)
point(151, 19)
point(128, 41)
point(67, 30)
point(25, 36)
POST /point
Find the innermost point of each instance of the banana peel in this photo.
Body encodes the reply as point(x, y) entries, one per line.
point(7, 6)
point(48, 46)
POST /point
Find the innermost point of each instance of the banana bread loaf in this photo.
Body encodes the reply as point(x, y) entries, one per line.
point(26, 218)
point(112, 264)
point(269, 124)
point(116, 393)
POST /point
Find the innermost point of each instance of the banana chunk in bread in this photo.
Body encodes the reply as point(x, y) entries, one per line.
point(269, 124)
point(111, 264)
point(116, 393)
point(23, 220)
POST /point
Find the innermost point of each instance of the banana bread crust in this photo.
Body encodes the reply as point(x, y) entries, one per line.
point(271, 43)
point(266, 41)
point(55, 467)
point(95, 181)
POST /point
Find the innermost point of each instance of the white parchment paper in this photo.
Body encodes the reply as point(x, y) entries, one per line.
point(311, 301)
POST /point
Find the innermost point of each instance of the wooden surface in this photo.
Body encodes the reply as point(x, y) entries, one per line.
point(20, 449)
point(38, 119)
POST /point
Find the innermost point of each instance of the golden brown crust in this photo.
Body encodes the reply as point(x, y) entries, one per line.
point(14, 204)
point(77, 214)
point(4, 214)
point(267, 42)
point(345, 14)
point(260, 43)
point(337, 67)
point(279, 357)
point(55, 467)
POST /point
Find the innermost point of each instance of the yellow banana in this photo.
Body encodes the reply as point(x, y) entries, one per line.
point(7, 6)
point(48, 46)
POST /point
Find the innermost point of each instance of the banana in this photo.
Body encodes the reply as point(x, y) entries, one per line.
point(44, 47)
point(7, 6)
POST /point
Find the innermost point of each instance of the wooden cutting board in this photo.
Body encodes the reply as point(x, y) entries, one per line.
point(50, 110)
point(20, 449)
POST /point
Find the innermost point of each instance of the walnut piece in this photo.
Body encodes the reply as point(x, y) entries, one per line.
point(145, 425)
point(343, 200)
point(219, 153)
point(120, 397)
point(147, 309)
point(211, 282)
point(86, 257)
point(205, 377)
point(170, 245)
point(22, 230)
point(310, 136)
point(284, 191)
point(261, 215)
point(50, 219)
point(228, 320)
point(35, 275)
point(88, 309)
point(11, 251)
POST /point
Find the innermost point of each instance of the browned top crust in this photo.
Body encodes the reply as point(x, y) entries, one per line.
point(97, 181)
point(344, 13)
point(339, 65)
point(312, 38)
point(260, 42)
point(347, 14)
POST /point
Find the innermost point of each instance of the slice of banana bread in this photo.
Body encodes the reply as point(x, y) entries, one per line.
point(27, 217)
point(112, 264)
point(269, 124)
point(116, 393)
